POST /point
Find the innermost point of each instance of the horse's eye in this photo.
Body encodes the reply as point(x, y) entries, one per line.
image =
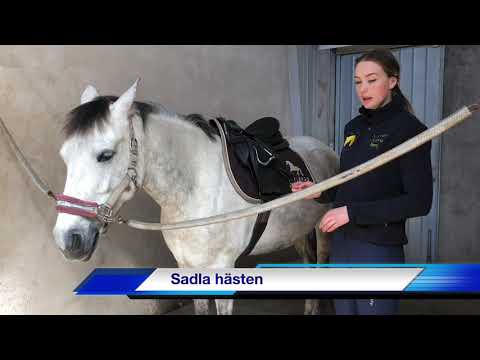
point(105, 155)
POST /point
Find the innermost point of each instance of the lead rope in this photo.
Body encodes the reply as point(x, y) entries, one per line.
point(451, 121)
point(21, 158)
point(418, 140)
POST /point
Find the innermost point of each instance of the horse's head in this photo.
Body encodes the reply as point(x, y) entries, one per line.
point(97, 153)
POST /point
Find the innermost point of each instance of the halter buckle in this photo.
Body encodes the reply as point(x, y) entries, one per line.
point(134, 146)
point(132, 174)
point(105, 213)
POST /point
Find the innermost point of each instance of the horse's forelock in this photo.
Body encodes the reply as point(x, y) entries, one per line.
point(83, 118)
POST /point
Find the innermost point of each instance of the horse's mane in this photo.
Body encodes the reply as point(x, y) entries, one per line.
point(83, 118)
point(199, 121)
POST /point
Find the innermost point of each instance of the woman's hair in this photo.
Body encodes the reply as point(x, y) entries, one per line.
point(390, 65)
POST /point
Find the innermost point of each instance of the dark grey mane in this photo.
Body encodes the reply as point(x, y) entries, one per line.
point(199, 121)
point(83, 118)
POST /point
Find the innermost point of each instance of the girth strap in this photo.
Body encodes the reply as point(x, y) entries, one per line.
point(258, 229)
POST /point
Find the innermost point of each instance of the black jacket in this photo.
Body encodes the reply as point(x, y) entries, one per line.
point(380, 201)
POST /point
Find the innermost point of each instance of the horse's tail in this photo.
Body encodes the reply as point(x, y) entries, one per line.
point(317, 247)
point(311, 247)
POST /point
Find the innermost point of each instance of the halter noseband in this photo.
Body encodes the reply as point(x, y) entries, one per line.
point(106, 212)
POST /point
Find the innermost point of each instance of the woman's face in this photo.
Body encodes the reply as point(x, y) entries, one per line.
point(373, 85)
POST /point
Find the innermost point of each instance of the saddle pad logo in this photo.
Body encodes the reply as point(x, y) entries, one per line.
point(296, 173)
point(350, 140)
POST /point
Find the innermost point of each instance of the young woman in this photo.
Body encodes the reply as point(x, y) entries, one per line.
point(369, 212)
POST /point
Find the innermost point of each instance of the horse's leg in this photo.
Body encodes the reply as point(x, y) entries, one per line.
point(307, 248)
point(325, 307)
point(323, 246)
point(312, 307)
point(201, 306)
point(224, 306)
point(314, 248)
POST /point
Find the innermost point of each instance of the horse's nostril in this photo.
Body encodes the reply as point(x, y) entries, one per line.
point(95, 239)
point(76, 241)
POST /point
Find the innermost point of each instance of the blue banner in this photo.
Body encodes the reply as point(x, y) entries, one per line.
point(293, 280)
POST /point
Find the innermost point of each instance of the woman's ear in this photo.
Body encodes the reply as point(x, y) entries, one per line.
point(393, 81)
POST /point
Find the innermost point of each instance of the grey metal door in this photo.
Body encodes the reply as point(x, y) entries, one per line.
point(421, 81)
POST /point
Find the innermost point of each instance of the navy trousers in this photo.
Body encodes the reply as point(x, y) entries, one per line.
point(345, 249)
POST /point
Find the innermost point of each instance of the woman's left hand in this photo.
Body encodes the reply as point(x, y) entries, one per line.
point(333, 219)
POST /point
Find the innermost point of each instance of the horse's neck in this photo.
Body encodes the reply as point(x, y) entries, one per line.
point(180, 163)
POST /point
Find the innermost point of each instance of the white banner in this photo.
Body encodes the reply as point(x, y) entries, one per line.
point(280, 279)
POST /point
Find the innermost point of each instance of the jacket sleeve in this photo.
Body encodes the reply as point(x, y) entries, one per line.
point(416, 174)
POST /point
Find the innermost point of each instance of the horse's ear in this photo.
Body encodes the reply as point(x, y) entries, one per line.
point(124, 102)
point(89, 94)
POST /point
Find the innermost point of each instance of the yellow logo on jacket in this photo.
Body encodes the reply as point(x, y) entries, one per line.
point(349, 140)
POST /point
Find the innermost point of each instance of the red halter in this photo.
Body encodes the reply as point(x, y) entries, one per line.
point(71, 205)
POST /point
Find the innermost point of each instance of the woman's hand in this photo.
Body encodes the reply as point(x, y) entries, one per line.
point(333, 219)
point(299, 186)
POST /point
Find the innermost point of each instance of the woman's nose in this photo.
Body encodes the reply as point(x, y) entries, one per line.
point(362, 88)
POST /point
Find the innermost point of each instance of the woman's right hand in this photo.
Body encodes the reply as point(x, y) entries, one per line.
point(301, 185)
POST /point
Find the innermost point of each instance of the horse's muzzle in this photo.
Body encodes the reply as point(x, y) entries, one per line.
point(80, 244)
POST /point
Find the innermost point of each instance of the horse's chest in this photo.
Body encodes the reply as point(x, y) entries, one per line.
point(206, 246)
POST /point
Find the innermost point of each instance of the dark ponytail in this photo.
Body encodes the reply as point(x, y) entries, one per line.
point(390, 65)
point(406, 104)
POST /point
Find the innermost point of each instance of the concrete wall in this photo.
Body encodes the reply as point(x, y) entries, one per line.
point(460, 168)
point(39, 85)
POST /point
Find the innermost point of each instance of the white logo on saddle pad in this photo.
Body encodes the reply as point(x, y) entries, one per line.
point(297, 173)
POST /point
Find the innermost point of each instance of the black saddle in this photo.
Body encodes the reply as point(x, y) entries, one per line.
point(261, 160)
point(261, 163)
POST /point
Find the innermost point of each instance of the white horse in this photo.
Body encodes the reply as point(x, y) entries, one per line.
point(179, 164)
